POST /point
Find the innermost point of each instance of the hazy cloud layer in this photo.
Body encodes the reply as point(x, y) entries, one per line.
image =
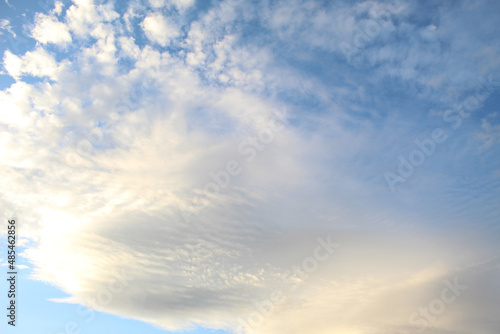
point(203, 152)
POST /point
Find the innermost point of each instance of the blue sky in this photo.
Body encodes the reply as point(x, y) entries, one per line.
point(189, 161)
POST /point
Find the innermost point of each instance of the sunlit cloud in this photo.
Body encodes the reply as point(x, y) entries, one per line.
point(223, 165)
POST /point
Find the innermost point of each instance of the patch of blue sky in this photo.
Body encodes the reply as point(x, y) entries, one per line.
point(38, 314)
point(6, 81)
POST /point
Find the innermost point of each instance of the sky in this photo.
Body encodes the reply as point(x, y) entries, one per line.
point(251, 167)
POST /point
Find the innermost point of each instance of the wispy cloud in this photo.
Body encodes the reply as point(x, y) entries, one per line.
point(203, 151)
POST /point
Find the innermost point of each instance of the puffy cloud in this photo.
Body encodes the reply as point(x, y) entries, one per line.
point(158, 29)
point(38, 63)
point(129, 48)
point(58, 7)
point(48, 29)
point(84, 15)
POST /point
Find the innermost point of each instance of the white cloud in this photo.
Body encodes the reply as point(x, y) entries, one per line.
point(121, 155)
point(490, 134)
point(157, 3)
point(38, 63)
point(5, 25)
point(183, 4)
point(158, 29)
point(48, 29)
point(85, 15)
point(179, 4)
point(58, 7)
point(16, 109)
point(129, 48)
point(12, 64)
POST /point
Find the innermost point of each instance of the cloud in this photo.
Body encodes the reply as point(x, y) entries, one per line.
point(121, 158)
point(181, 5)
point(490, 134)
point(84, 16)
point(5, 25)
point(58, 7)
point(48, 29)
point(158, 29)
point(38, 63)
